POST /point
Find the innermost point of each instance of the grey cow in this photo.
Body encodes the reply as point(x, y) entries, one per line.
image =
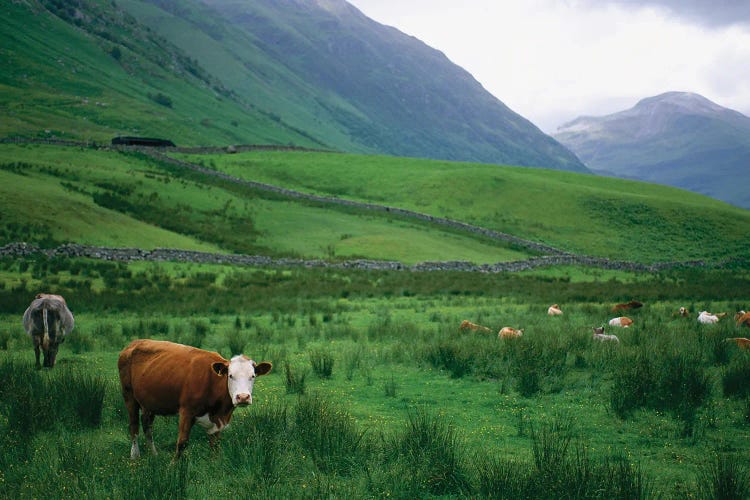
point(47, 320)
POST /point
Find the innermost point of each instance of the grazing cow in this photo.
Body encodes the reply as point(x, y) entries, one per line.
point(708, 318)
point(633, 304)
point(742, 318)
point(741, 342)
point(602, 337)
point(468, 325)
point(622, 321)
point(47, 321)
point(163, 378)
point(683, 313)
point(507, 332)
point(554, 310)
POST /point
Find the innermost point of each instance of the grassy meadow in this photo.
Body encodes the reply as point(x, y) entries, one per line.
point(375, 392)
point(578, 213)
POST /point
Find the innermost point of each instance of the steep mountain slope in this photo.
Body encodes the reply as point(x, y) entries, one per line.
point(322, 65)
point(84, 69)
point(677, 138)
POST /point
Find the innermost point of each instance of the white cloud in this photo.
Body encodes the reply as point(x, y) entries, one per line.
point(553, 60)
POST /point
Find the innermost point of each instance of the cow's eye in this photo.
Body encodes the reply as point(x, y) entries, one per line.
point(231, 376)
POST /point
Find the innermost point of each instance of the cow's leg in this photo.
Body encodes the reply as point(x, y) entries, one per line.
point(187, 420)
point(133, 408)
point(36, 352)
point(147, 420)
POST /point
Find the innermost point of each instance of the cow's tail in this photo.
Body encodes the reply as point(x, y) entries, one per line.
point(50, 326)
point(45, 339)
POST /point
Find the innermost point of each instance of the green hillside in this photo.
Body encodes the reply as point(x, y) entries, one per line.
point(577, 213)
point(89, 71)
point(54, 194)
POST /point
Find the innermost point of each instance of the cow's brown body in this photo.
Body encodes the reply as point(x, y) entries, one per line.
point(741, 342)
point(163, 378)
point(507, 332)
point(633, 304)
point(468, 325)
point(742, 318)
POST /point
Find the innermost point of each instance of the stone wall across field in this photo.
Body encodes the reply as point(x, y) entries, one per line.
point(16, 250)
point(461, 226)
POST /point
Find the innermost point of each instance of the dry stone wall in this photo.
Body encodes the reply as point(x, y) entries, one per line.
point(16, 250)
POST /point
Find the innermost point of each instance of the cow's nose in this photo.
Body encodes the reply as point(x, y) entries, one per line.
point(244, 399)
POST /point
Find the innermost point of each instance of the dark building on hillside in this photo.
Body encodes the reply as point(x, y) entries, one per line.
point(142, 141)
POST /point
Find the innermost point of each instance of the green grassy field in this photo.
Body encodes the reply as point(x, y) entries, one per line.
point(117, 199)
point(400, 370)
point(578, 213)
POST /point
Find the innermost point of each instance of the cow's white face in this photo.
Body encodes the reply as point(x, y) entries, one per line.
point(241, 377)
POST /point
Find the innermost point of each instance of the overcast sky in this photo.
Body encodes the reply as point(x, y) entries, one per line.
point(554, 60)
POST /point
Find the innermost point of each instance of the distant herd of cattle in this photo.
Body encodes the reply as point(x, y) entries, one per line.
point(742, 318)
point(164, 378)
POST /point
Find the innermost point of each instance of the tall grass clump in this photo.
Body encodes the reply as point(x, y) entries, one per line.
point(557, 472)
point(504, 479)
point(294, 379)
point(322, 363)
point(735, 377)
point(152, 478)
point(432, 454)
point(675, 382)
point(330, 435)
point(724, 478)
point(235, 342)
point(83, 394)
point(451, 356)
point(265, 449)
point(526, 364)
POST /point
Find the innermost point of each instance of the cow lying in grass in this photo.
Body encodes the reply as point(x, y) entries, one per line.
point(468, 325)
point(162, 378)
point(507, 332)
point(622, 321)
point(554, 310)
point(742, 318)
point(633, 304)
point(741, 342)
point(602, 337)
point(707, 318)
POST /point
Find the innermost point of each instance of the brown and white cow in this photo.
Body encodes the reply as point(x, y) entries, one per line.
point(603, 337)
point(622, 321)
point(468, 325)
point(742, 318)
point(507, 332)
point(683, 312)
point(163, 378)
point(554, 310)
point(633, 304)
point(741, 342)
point(47, 321)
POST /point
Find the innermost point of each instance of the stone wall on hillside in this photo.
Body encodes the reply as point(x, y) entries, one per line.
point(15, 250)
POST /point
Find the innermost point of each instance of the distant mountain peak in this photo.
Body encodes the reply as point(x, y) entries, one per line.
point(685, 101)
point(680, 139)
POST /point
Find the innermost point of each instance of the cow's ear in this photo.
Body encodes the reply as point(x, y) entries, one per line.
point(263, 368)
point(220, 368)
